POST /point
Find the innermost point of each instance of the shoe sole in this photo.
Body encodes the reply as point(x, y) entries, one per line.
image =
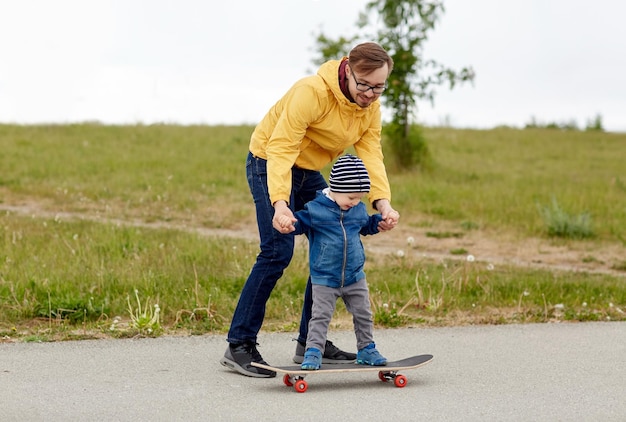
point(236, 367)
point(363, 362)
point(300, 359)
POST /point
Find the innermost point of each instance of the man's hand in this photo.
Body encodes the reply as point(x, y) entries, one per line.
point(390, 216)
point(283, 218)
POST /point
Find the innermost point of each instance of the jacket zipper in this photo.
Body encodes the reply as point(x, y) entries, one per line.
point(345, 250)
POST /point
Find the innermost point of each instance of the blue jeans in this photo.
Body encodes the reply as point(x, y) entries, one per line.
point(276, 251)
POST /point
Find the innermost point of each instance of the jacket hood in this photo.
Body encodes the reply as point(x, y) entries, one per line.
point(329, 72)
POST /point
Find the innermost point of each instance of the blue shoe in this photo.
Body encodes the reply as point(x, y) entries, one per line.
point(312, 359)
point(370, 356)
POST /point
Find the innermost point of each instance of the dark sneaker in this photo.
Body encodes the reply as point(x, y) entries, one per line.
point(239, 356)
point(312, 359)
point(332, 354)
point(370, 356)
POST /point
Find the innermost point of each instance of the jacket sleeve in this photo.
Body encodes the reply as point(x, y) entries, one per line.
point(297, 111)
point(372, 225)
point(303, 225)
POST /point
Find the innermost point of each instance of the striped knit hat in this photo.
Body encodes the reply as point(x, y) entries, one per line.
point(349, 175)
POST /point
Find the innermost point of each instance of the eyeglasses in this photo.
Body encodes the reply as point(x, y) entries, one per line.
point(365, 87)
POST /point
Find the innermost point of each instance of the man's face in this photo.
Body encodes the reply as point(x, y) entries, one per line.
point(362, 87)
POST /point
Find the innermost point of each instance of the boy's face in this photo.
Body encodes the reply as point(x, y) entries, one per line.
point(347, 200)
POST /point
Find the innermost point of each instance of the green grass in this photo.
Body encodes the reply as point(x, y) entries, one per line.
point(498, 178)
point(491, 179)
point(76, 272)
point(66, 278)
point(467, 291)
point(151, 172)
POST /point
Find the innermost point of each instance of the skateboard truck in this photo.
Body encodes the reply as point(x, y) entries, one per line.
point(398, 379)
point(296, 381)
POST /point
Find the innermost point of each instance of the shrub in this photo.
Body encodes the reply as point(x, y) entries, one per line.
point(561, 224)
point(409, 149)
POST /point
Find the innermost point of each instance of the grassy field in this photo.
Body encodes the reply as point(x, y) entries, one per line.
point(109, 231)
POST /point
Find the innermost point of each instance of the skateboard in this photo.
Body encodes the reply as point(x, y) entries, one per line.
point(294, 374)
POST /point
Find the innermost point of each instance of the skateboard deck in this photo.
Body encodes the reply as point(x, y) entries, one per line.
point(294, 374)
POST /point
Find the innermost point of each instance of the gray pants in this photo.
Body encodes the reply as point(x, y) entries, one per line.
point(357, 300)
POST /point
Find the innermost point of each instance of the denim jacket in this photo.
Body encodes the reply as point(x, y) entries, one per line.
point(336, 254)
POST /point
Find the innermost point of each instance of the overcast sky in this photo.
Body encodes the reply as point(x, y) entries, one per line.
point(214, 62)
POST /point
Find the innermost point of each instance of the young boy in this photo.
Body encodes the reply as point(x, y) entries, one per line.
point(334, 222)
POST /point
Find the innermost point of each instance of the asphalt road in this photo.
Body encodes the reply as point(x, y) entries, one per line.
point(539, 372)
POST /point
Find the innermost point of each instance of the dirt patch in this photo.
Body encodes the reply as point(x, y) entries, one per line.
point(499, 249)
point(490, 248)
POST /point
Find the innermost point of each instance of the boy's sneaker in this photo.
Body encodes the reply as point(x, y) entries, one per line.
point(332, 354)
point(239, 356)
point(312, 359)
point(370, 356)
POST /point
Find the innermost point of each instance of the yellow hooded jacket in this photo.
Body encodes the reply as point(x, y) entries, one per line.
point(313, 124)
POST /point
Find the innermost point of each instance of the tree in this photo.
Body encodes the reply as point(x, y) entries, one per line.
point(401, 28)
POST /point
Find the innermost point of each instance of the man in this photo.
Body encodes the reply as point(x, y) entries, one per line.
point(310, 126)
